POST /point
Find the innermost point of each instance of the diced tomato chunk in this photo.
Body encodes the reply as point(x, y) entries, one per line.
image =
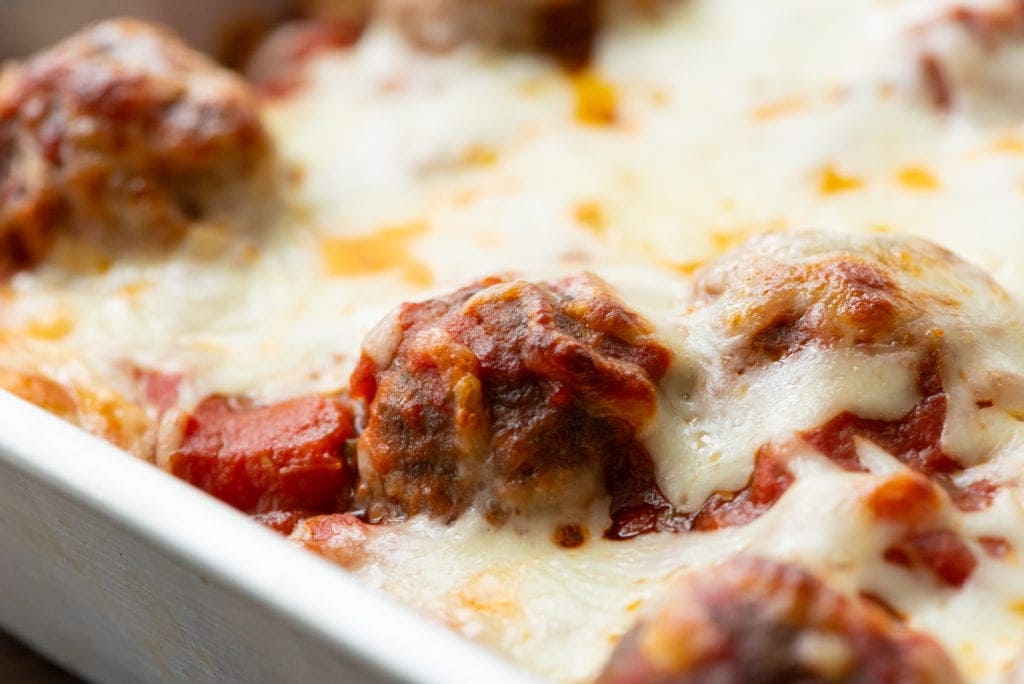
point(284, 456)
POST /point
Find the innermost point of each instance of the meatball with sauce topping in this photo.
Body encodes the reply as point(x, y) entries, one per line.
point(121, 133)
point(754, 621)
point(510, 395)
point(888, 340)
point(782, 293)
point(904, 302)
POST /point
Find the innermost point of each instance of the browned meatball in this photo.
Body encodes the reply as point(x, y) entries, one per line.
point(513, 395)
point(814, 295)
point(120, 130)
point(755, 621)
point(781, 293)
point(565, 27)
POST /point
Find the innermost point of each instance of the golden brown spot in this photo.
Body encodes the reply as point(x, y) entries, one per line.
point(296, 174)
point(831, 182)
point(779, 108)
point(52, 327)
point(724, 240)
point(917, 178)
point(685, 267)
point(111, 416)
point(661, 646)
point(41, 391)
point(591, 215)
point(417, 273)
point(132, 290)
point(1009, 144)
point(480, 155)
point(208, 240)
point(81, 256)
point(488, 592)
point(596, 100)
point(380, 252)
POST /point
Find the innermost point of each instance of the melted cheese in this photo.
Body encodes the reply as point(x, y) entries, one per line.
point(418, 173)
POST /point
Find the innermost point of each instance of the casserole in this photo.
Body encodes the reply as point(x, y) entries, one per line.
point(121, 574)
point(660, 352)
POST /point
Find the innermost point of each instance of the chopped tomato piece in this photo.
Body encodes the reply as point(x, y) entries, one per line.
point(284, 456)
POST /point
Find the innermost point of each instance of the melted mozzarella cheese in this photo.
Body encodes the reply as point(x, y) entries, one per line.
point(418, 173)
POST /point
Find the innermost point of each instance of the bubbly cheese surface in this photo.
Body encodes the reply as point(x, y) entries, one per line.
point(412, 174)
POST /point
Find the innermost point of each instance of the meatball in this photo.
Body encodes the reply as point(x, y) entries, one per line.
point(287, 456)
point(511, 395)
point(813, 298)
point(564, 27)
point(781, 293)
point(122, 133)
point(753, 620)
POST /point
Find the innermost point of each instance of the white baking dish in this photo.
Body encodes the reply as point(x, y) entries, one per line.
point(121, 573)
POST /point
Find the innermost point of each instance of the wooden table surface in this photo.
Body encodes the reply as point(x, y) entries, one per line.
point(18, 664)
